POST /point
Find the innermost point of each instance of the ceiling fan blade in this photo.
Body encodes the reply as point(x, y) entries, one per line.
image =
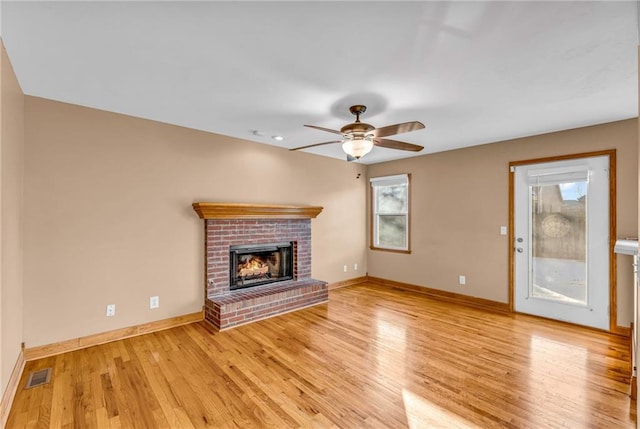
point(394, 144)
point(324, 129)
point(351, 158)
point(392, 130)
point(315, 144)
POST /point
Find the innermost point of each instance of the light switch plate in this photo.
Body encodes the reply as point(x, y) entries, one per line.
point(154, 302)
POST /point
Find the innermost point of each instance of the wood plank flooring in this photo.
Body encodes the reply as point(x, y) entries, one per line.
point(373, 357)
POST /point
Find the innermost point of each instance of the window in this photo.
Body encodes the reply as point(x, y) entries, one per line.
point(390, 213)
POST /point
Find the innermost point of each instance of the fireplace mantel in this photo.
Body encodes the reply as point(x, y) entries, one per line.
point(254, 211)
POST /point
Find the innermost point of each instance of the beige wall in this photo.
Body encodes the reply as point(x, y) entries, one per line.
point(11, 232)
point(108, 217)
point(460, 200)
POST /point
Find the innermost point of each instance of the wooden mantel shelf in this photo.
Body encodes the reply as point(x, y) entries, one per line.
point(254, 211)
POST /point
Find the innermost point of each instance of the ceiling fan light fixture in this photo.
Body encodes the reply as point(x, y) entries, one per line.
point(358, 146)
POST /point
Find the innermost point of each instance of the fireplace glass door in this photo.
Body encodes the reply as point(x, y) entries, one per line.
point(253, 265)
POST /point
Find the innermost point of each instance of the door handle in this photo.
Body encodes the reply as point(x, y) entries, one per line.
point(519, 250)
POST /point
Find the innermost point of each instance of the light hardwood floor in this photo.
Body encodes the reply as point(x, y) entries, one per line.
point(372, 357)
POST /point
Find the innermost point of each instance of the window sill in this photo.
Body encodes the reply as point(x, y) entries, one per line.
point(390, 250)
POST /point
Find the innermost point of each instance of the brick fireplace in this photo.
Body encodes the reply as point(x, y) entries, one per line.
point(232, 226)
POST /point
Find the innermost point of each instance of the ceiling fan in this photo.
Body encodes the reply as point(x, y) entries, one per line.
point(358, 138)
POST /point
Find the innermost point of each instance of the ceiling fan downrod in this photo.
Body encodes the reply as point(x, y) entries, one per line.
point(357, 110)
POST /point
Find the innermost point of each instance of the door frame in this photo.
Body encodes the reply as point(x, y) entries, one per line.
point(613, 289)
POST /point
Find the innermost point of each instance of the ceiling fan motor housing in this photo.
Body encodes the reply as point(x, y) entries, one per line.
point(357, 129)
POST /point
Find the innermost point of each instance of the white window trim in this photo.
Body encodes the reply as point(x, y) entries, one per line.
point(385, 181)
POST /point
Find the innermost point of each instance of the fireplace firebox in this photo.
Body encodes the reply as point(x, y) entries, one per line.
point(252, 265)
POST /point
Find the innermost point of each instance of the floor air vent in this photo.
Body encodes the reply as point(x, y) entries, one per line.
point(39, 378)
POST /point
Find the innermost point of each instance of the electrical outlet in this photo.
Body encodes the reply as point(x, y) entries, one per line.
point(462, 280)
point(154, 302)
point(345, 268)
point(111, 310)
point(355, 267)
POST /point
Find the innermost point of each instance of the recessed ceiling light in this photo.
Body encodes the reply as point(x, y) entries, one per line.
point(277, 138)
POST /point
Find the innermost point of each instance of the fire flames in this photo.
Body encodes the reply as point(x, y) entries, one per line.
point(254, 264)
point(253, 267)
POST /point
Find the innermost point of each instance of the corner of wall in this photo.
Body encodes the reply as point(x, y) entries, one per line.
point(11, 221)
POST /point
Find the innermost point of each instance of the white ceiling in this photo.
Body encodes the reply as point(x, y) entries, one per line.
point(472, 72)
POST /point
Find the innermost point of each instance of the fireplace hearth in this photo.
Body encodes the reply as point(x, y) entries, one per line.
point(254, 265)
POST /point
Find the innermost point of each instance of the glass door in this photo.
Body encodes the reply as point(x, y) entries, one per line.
point(562, 240)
